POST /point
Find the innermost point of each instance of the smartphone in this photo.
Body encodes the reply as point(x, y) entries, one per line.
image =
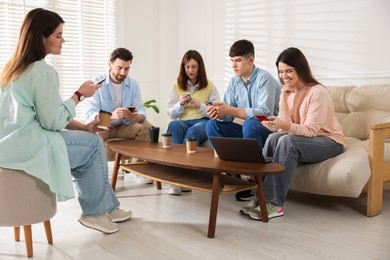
point(208, 103)
point(187, 95)
point(100, 81)
point(131, 108)
point(262, 117)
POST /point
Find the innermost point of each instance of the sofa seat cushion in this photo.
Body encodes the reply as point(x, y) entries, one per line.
point(365, 145)
point(344, 175)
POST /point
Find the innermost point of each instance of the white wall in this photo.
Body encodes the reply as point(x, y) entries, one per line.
point(346, 42)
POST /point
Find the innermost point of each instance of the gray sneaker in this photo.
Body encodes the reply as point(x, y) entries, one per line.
point(252, 204)
point(119, 215)
point(102, 223)
point(273, 210)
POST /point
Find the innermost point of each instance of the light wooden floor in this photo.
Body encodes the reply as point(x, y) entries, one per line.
point(175, 227)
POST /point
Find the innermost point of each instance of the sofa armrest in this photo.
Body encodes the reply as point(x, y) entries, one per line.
point(380, 170)
point(379, 126)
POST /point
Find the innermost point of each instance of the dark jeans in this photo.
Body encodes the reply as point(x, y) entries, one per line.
point(183, 129)
point(252, 128)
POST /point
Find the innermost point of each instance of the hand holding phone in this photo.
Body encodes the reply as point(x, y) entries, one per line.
point(100, 81)
point(187, 95)
point(184, 98)
point(262, 117)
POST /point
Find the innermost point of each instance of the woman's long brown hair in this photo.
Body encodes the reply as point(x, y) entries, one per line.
point(202, 77)
point(37, 25)
point(294, 57)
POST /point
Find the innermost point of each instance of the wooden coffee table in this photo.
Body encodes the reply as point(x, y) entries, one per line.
point(201, 171)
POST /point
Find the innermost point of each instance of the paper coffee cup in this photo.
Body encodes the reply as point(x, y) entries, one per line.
point(191, 145)
point(167, 140)
point(105, 118)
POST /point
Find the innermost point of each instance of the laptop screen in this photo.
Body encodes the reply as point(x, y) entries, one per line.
point(238, 149)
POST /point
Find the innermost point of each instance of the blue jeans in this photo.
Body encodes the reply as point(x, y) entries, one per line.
point(289, 150)
point(88, 163)
point(252, 128)
point(183, 129)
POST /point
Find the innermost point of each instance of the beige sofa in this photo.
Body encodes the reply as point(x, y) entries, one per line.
point(364, 114)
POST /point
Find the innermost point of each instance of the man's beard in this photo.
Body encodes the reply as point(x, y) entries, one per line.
point(119, 79)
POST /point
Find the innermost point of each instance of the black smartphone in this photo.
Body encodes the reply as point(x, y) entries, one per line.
point(100, 81)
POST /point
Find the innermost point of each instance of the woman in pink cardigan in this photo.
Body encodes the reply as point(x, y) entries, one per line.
point(305, 131)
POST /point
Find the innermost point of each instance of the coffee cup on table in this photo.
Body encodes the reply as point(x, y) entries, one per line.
point(191, 145)
point(105, 118)
point(154, 132)
point(167, 140)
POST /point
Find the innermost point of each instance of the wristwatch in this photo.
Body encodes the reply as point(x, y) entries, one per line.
point(79, 95)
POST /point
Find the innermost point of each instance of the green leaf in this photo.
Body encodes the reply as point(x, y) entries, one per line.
point(155, 108)
point(150, 104)
point(147, 103)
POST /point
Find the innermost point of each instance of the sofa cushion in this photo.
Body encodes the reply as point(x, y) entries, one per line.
point(355, 124)
point(347, 174)
point(357, 107)
point(343, 175)
point(364, 145)
point(369, 97)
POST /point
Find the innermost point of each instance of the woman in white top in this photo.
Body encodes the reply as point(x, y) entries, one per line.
point(188, 99)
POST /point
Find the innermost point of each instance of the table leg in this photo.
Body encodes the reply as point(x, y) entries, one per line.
point(115, 170)
point(158, 185)
point(214, 205)
point(262, 202)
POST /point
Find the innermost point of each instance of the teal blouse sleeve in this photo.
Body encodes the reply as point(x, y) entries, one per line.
point(52, 113)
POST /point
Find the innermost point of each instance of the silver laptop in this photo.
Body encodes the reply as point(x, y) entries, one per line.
point(238, 149)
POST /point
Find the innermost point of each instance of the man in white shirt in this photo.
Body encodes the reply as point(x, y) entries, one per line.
point(120, 95)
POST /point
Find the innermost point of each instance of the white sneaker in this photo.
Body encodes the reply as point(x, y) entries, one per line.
point(128, 176)
point(102, 223)
point(176, 190)
point(245, 177)
point(119, 215)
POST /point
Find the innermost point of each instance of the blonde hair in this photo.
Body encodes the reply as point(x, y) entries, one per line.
point(37, 25)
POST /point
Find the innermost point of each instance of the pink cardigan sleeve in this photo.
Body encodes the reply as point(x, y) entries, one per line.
point(317, 116)
point(313, 113)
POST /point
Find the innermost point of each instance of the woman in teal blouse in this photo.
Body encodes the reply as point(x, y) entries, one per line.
point(32, 118)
